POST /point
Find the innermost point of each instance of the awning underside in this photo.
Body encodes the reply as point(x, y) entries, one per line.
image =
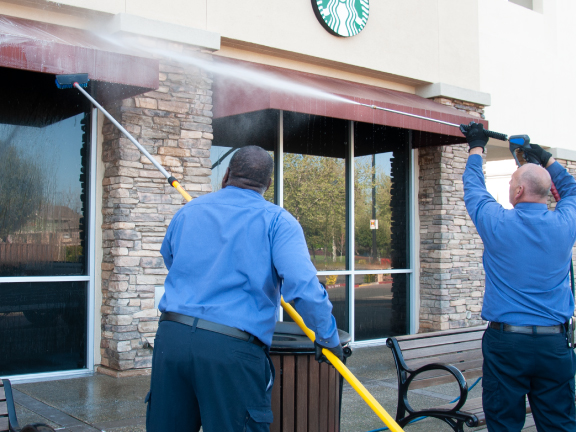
point(288, 90)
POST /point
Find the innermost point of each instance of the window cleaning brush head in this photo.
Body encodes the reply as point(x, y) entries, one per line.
point(67, 81)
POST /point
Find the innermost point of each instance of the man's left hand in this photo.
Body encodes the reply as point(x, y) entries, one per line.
point(337, 351)
point(475, 135)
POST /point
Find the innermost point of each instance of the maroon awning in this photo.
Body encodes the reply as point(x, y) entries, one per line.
point(250, 87)
point(53, 49)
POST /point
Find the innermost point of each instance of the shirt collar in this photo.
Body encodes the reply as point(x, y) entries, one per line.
point(242, 190)
point(531, 206)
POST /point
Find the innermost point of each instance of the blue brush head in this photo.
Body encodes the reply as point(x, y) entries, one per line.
point(67, 81)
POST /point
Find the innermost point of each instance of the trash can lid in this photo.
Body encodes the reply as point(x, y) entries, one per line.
point(290, 338)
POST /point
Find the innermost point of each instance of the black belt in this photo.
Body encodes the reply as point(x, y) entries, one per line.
point(211, 326)
point(559, 328)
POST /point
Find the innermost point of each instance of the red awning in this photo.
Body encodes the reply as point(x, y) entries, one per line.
point(52, 49)
point(249, 87)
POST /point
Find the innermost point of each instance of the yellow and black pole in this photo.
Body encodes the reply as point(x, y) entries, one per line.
point(81, 80)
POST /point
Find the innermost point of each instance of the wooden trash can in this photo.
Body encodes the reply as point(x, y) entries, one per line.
point(306, 395)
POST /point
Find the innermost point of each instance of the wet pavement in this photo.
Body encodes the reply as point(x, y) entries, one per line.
point(103, 403)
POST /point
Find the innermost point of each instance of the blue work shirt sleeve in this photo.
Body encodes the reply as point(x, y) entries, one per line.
point(476, 197)
point(566, 186)
point(300, 284)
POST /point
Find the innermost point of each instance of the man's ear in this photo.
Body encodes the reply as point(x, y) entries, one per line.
point(269, 183)
point(225, 178)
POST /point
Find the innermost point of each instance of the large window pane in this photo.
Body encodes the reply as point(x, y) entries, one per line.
point(381, 200)
point(43, 199)
point(380, 305)
point(42, 327)
point(315, 184)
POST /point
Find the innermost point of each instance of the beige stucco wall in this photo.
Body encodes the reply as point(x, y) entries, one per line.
point(426, 41)
point(528, 65)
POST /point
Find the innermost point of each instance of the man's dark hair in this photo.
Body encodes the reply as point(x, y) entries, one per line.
point(251, 168)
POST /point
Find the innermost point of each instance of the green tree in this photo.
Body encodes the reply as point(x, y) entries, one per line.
point(372, 188)
point(315, 193)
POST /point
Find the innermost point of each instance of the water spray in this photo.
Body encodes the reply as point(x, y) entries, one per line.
point(489, 133)
point(80, 81)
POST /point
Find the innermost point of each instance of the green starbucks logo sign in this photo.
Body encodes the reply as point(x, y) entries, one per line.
point(342, 17)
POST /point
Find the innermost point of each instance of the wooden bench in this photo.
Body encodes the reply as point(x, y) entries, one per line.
point(431, 359)
point(8, 422)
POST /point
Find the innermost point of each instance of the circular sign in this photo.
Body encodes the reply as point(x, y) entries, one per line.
point(342, 17)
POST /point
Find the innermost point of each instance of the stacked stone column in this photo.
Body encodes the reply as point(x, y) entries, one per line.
point(173, 123)
point(451, 272)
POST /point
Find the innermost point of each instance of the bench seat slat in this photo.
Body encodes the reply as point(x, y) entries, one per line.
point(440, 373)
point(456, 359)
point(437, 350)
point(3, 408)
point(440, 340)
point(446, 379)
point(2, 394)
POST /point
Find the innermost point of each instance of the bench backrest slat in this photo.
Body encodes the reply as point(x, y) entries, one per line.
point(441, 349)
point(4, 424)
point(439, 340)
point(477, 329)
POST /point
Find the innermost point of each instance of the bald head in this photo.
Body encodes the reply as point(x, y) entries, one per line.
point(530, 183)
point(250, 168)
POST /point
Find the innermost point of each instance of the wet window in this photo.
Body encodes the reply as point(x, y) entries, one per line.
point(42, 327)
point(43, 198)
point(44, 208)
point(313, 182)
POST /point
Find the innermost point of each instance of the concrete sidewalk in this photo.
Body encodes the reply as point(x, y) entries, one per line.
point(103, 403)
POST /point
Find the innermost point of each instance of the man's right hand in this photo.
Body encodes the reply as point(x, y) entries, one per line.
point(475, 135)
point(337, 351)
point(539, 153)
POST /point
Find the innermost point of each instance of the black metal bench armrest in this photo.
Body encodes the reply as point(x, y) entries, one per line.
point(14, 427)
point(405, 378)
point(462, 384)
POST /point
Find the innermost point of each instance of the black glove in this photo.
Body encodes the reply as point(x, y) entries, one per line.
point(337, 351)
point(539, 153)
point(475, 135)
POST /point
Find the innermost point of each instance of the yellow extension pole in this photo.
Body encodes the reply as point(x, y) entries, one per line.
point(345, 372)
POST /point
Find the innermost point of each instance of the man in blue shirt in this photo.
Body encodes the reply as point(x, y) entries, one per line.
point(527, 299)
point(230, 256)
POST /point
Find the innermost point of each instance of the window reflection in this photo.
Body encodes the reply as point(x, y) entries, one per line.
point(43, 198)
point(43, 327)
point(373, 214)
point(379, 305)
point(315, 184)
point(315, 194)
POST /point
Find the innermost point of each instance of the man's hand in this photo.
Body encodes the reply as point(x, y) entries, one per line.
point(539, 153)
point(337, 351)
point(475, 135)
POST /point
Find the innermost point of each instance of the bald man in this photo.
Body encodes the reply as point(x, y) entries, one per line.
point(528, 300)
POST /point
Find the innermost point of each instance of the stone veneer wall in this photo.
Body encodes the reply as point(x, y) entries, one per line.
point(451, 272)
point(174, 125)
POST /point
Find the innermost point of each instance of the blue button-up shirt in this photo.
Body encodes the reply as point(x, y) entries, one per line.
point(231, 254)
point(527, 251)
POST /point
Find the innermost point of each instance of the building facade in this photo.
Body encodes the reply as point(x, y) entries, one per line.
point(379, 194)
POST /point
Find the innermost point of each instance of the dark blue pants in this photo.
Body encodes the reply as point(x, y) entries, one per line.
point(540, 366)
point(202, 378)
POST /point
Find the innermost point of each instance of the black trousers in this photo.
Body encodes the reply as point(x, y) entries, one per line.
point(202, 378)
point(539, 366)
